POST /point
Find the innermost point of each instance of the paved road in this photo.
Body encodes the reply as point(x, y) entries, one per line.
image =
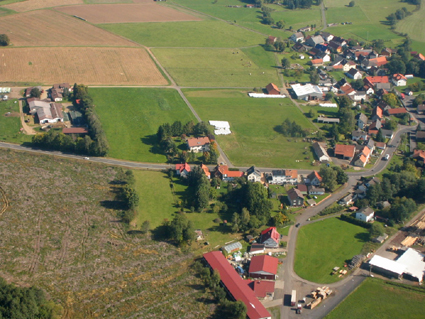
point(322, 8)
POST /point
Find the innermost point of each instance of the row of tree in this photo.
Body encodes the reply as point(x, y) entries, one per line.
point(400, 14)
point(292, 129)
point(176, 129)
point(126, 194)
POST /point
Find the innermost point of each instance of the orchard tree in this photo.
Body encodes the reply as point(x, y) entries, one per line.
point(4, 40)
point(286, 64)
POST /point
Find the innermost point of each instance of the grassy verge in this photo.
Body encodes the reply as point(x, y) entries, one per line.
point(252, 122)
point(10, 123)
point(388, 301)
point(324, 245)
point(131, 117)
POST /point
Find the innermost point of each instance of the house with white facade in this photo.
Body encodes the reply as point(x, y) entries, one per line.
point(253, 174)
point(199, 144)
point(365, 214)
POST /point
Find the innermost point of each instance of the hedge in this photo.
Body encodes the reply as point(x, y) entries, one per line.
point(355, 221)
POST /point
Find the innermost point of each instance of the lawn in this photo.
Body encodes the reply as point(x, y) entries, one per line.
point(217, 67)
point(413, 25)
point(187, 34)
point(324, 245)
point(131, 117)
point(152, 186)
point(376, 299)
point(252, 122)
point(11, 124)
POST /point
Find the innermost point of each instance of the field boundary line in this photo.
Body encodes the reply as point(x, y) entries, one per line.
point(5, 201)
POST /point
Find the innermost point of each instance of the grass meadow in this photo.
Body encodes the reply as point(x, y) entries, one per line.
point(218, 67)
point(252, 121)
point(324, 245)
point(413, 25)
point(61, 234)
point(187, 34)
point(377, 299)
point(10, 125)
point(152, 186)
point(131, 117)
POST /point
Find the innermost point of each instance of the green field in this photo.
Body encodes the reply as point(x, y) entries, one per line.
point(252, 121)
point(413, 25)
point(376, 299)
point(152, 186)
point(324, 245)
point(131, 117)
point(11, 125)
point(198, 34)
point(217, 67)
point(107, 1)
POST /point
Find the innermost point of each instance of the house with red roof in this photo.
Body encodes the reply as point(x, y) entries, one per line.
point(272, 89)
point(397, 111)
point(198, 144)
point(182, 169)
point(314, 179)
point(345, 151)
point(236, 287)
point(223, 172)
point(376, 113)
point(263, 289)
point(270, 237)
point(399, 79)
point(317, 62)
point(302, 188)
point(263, 267)
point(206, 171)
point(378, 62)
point(419, 155)
point(371, 81)
point(363, 157)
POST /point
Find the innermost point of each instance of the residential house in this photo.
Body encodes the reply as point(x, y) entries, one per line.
point(56, 95)
point(346, 200)
point(253, 174)
point(420, 136)
point(198, 144)
point(326, 36)
point(345, 151)
point(270, 237)
point(313, 190)
point(370, 144)
point(358, 135)
point(419, 155)
point(347, 65)
point(183, 170)
point(361, 120)
point(305, 29)
point(347, 89)
point(397, 111)
point(387, 52)
point(313, 179)
point(47, 112)
point(378, 62)
point(365, 214)
point(387, 133)
point(263, 289)
point(358, 96)
point(299, 47)
point(302, 188)
point(321, 153)
point(354, 74)
point(271, 39)
point(372, 181)
point(421, 109)
point(317, 62)
point(383, 105)
point(314, 40)
point(323, 47)
point(257, 249)
point(399, 79)
point(333, 46)
point(297, 37)
point(307, 92)
point(223, 172)
point(206, 171)
point(376, 113)
point(263, 267)
point(363, 157)
point(272, 89)
point(235, 286)
point(295, 197)
point(373, 81)
point(374, 127)
point(381, 145)
point(287, 176)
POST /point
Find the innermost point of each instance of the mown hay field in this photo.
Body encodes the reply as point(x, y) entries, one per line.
point(49, 28)
point(61, 234)
point(413, 25)
point(30, 5)
point(121, 13)
point(91, 66)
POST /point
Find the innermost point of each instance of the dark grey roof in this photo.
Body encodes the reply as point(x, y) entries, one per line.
point(366, 211)
point(362, 117)
point(278, 172)
point(358, 133)
point(353, 72)
point(253, 170)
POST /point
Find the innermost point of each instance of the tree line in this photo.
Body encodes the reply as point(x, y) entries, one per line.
point(292, 129)
point(95, 143)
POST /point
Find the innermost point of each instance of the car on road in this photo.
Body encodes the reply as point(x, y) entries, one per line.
point(297, 225)
point(86, 158)
point(386, 157)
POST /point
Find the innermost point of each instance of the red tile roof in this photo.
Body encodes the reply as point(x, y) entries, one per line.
point(317, 61)
point(399, 110)
point(345, 150)
point(206, 170)
point(419, 153)
point(182, 167)
point(293, 173)
point(363, 158)
point(366, 151)
point(399, 76)
point(380, 144)
point(264, 263)
point(224, 170)
point(261, 287)
point(302, 187)
point(270, 232)
point(200, 141)
point(236, 285)
point(74, 130)
point(272, 89)
point(339, 66)
point(382, 60)
point(377, 79)
point(377, 111)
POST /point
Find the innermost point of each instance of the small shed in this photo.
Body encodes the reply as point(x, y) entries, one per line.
point(230, 248)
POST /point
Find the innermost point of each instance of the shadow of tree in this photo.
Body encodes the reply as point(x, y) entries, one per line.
point(152, 140)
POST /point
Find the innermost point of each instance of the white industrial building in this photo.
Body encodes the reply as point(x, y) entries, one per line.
point(307, 91)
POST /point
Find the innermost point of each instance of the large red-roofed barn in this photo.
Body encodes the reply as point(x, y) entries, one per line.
point(236, 286)
point(263, 267)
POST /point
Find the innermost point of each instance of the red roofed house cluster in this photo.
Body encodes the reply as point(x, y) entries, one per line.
point(270, 237)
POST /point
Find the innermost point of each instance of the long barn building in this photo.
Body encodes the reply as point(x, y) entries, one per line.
point(236, 286)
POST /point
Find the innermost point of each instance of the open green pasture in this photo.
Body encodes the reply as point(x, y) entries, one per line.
point(418, 46)
point(251, 17)
point(11, 124)
point(252, 122)
point(158, 202)
point(207, 33)
point(414, 25)
point(131, 117)
point(107, 1)
point(218, 67)
point(377, 299)
point(324, 245)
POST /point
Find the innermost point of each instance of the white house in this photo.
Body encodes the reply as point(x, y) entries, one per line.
point(297, 36)
point(399, 79)
point(313, 179)
point(354, 74)
point(280, 176)
point(182, 169)
point(200, 144)
point(365, 214)
point(321, 153)
point(46, 112)
point(253, 174)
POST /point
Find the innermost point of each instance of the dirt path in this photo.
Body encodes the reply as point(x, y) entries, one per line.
point(27, 130)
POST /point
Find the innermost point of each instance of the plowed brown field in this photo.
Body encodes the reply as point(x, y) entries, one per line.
point(91, 66)
point(121, 13)
point(39, 4)
point(50, 28)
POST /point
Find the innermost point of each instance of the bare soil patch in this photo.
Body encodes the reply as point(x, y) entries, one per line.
point(91, 66)
point(30, 5)
point(51, 28)
point(59, 235)
point(121, 13)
